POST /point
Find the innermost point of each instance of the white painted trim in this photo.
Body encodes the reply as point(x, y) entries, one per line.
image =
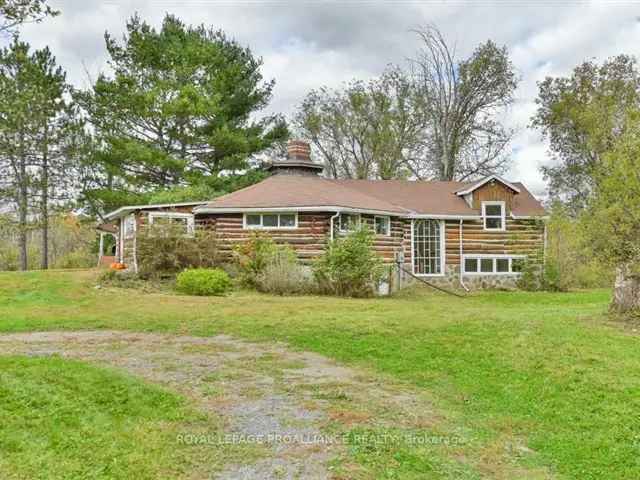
point(124, 226)
point(324, 208)
point(331, 223)
point(485, 180)
point(530, 217)
point(122, 211)
point(359, 223)
point(388, 219)
point(461, 256)
point(443, 252)
point(419, 216)
point(494, 257)
point(502, 216)
point(191, 224)
point(261, 227)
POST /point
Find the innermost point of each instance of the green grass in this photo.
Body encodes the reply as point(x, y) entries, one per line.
point(548, 371)
point(64, 419)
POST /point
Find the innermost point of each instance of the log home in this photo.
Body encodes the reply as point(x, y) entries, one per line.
point(476, 234)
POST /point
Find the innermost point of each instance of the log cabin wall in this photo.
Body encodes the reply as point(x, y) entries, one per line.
point(309, 239)
point(387, 245)
point(521, 237)
point(126, 255)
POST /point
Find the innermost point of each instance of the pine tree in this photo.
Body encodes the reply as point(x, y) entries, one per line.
point(37, 138)
point(179, 109)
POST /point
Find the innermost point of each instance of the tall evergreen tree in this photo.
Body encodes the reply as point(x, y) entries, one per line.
point(178, 109)
point(36, 137)
point(16, 12)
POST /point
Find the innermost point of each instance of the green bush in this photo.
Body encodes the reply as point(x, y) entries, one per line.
point(252, 257)
point(203, 281)
point(569, 255)
point(349, 266)
point(164, 250)
point(283, 274)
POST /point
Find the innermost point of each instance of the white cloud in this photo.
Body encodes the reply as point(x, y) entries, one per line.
point(307, 44)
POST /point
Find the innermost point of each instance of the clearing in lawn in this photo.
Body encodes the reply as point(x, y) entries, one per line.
point(526, 385)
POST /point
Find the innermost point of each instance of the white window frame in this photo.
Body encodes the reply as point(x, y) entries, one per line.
point(191, 226)
point(126, 234)
point(443, 252)
point(358, 222)
point(502, 217)
point(261, 215)
point(495, 257)
point(388, 230)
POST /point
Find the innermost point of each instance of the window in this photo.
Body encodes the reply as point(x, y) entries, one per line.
point(270, 220)
point(382, 225)
point(486, 265)
point(470, 264)
point(348, 222)
point(428, 245)
point(184, 221)
point(493, 215)
point(287, 220)
point(492, 265)
point(129, 226)
point(502, 265)
point(253, 220)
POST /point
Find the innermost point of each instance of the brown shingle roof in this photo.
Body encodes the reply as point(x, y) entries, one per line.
point(402, 197)
point(300, 191)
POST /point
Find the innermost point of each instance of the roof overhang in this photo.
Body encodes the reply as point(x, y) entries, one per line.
point(320, 208)
point(126, 210)
point(484, 181)
point(417, 216)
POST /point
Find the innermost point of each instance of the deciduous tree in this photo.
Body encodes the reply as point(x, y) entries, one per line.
point(612, 219)
point(462, 102)
point(365, 130)
point(581, 116)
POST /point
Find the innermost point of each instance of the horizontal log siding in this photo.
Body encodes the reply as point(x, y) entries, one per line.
point(521, 237)
point(308, 240)
point(387, 246)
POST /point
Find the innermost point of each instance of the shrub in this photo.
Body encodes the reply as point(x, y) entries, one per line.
point(203, 281)
point(282, 274)
point(531, 277)
point(569, 254)
point(165, 250)
point(349, 266)
point(252, 257)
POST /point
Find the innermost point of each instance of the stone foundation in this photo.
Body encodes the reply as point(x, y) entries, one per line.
point(451, 280)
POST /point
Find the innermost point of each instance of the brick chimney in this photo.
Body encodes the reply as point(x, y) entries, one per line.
point(298, 150)
point(298, 161)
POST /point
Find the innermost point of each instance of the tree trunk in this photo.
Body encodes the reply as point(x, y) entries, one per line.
point(626, 292)
point(23, 206)
point(44, 206)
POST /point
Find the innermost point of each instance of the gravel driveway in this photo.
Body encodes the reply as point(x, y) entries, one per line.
point(289, 398)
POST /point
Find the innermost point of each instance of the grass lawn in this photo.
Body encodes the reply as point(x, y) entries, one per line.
point(515, 371)
point(64, 419)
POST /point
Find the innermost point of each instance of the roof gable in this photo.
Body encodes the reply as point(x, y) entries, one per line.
point(486, 180)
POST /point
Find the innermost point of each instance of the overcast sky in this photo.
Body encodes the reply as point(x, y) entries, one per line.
point(310, 43)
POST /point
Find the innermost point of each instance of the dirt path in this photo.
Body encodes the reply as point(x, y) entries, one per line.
point(295, 404)
point(259, 389)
